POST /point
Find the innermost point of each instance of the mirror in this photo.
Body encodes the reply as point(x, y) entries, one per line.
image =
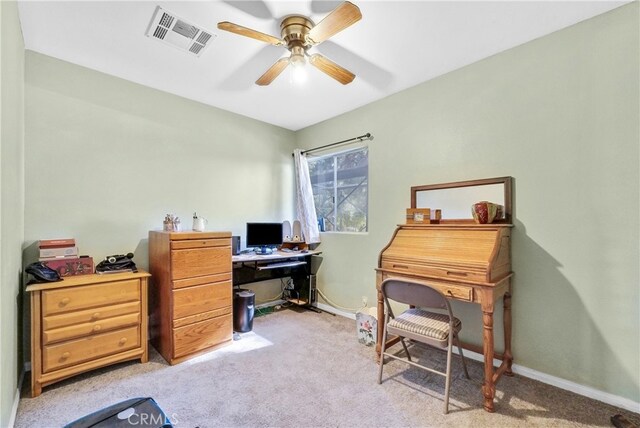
point(455, 199)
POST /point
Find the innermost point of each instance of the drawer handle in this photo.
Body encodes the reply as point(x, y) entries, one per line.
point(95, 316)
point(65, 356)
point(65, 301)
point(401, 266)
point(449, 292)
point(456, 273)
point(122, 341)
point(97, 327)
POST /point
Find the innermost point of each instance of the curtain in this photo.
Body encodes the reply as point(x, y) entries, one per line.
point(305, 208)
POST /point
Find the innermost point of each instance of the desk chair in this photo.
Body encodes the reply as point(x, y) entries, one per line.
point(435, 329)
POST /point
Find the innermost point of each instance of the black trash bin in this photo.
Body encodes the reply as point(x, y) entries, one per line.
point(243, 310)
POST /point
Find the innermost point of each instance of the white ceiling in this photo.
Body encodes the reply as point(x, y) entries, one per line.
point(396, 45)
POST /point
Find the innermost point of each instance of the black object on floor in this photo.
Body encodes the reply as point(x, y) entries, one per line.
point(135, 412)
point(243, 310)
point(619, 421)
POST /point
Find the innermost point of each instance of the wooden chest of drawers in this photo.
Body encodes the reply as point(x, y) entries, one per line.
point(191, 300)
point(85, 322)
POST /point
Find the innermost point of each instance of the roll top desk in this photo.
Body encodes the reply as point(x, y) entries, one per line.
point(467, 262)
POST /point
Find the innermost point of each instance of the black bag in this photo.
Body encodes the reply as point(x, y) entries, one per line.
point(117, 263)
point(42, 273)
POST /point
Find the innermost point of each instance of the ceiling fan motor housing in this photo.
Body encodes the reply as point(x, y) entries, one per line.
point(294, 30)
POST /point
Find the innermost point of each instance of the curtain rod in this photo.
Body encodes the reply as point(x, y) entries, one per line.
point(366, 136)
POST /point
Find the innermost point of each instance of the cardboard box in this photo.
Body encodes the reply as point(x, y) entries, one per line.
point(53, 252)
point(70, 266)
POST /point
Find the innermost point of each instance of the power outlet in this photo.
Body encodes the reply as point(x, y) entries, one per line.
point(364, 301)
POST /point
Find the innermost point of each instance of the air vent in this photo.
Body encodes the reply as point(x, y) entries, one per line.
point(177, 32)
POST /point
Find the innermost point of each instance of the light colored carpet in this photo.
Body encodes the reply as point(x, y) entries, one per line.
point(302, 369)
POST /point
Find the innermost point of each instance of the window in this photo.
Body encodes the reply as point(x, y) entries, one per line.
point(340, 190)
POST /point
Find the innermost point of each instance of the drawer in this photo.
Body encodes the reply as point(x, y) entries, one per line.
point(201, 317)
point(457, 292)
point(200, 261)
point(201, 298)
point(89, 315)
point(435, 271)
point(88, 328)
point(92, 347)
point(201, 280)
point(200, 243)
point(89, 296)
point(201, 335)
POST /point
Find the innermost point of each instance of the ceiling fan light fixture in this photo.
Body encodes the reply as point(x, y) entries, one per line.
point(297, 58)
point(298, 75)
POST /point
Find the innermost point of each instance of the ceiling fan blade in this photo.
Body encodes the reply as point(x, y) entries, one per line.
point(340, 18)
point(273, 72)
point(329, 67)
point(248, 32)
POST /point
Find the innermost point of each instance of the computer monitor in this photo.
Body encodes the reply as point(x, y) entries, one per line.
point(264, 236)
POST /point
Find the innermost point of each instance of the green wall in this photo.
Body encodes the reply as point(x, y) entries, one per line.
point(560, 114)
point(11, 201)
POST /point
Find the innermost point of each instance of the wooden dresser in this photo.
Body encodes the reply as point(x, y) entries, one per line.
point(85, 322)
point(467, 262)
point(191, 300)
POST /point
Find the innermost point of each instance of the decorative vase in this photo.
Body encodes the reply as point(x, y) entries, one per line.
point(486, 212)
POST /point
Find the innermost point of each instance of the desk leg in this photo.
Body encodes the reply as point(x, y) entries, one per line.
point(508, 357)
point(380, 324)
point(488, 387)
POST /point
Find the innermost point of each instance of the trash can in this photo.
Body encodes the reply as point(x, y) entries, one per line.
point(243, 309)
point(367, 325)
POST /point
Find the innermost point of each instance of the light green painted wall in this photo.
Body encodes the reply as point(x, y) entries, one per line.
point(561, 115)
point(11, 201)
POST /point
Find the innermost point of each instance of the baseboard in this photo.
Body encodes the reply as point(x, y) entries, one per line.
point(333, 310)
point(16, 399)
point(586, 391)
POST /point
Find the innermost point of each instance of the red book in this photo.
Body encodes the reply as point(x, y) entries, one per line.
point(57, 243)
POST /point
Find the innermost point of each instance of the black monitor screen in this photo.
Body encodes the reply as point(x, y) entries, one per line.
point(264, 234)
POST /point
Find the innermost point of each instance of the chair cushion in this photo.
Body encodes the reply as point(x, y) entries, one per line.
point(425, 323)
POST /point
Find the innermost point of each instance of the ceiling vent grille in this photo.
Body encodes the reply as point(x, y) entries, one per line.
point(172, 30)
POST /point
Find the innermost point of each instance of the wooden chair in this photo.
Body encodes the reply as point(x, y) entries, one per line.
point(432, 328)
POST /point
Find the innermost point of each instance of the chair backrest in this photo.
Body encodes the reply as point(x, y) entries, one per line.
point(412, 293)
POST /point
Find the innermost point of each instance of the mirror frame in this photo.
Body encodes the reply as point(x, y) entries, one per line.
point(505, 181)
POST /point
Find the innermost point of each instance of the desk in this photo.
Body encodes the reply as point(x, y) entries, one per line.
point(251, 267)
point(466, 262)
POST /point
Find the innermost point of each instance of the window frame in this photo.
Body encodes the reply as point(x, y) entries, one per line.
point(336, 188)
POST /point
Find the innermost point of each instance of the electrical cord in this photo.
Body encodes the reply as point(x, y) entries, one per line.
point(336, 305)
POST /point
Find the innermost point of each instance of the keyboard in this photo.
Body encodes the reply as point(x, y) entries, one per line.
point(290, 263)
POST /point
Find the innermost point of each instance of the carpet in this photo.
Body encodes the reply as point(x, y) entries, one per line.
point(302, 369)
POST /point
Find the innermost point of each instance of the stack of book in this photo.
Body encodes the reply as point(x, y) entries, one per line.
point(62, 256)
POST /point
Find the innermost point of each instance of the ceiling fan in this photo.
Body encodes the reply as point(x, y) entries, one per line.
point(299, 33)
